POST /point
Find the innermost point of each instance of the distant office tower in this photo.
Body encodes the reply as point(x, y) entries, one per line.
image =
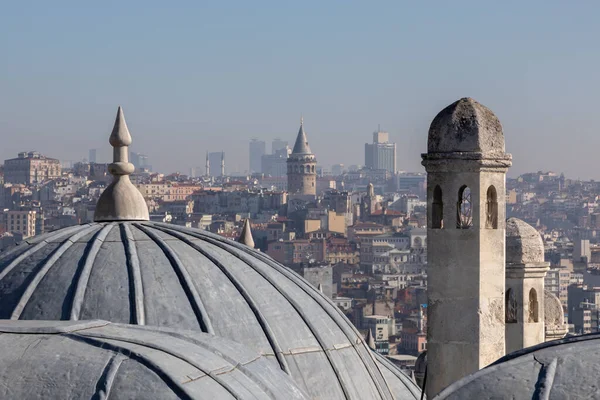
point(337, 169)
point(277, 145)
point(31, 167)
point(92, 156)
point(275, 164)
point(381, 154)
point(257, 150)
point(216, 163)
point(134, 158)
point(301, 171)
point(140, 161)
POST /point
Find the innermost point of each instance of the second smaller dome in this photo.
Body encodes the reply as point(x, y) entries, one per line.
point(97, 359)
point(523, 243)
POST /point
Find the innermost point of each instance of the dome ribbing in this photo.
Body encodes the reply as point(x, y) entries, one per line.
point(166, 275)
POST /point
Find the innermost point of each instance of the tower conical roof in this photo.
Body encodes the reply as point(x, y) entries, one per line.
point(301, 146)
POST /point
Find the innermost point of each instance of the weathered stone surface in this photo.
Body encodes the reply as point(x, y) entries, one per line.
point(169, 276)
point(97, 359)
point(466, 126)
point(554, 317)
point(465, 255)
point(523, 243)
point(561, 369)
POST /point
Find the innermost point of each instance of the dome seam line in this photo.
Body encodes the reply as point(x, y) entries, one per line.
point(84, 276)
point(107, 379)
point(135, 274)
point(246, 295)
point(169, 380)
point(184, 277)
point(298, 309)
point(41, 273)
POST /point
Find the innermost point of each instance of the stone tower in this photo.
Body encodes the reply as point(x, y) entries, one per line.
point(524, 297)
point(301, 167)
point(466, 172)
point(368, 203)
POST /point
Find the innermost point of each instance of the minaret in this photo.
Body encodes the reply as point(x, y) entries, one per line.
point(222, 163)
point(121, 201)
point(207, 165)
point(466, 172)
point(524, 298)
point(301, 167)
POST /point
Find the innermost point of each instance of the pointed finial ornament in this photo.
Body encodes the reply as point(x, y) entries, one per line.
point(246, 235)
point(320, 288)
point(301, 119)
point(370, 340)
point(121, 201)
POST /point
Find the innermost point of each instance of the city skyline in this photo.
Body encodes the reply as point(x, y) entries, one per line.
point(193, 80)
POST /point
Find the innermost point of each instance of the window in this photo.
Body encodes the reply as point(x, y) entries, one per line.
point(510, 307)
point(533, 306)
point(464, 217)
point(491, 209)
point(437, 209)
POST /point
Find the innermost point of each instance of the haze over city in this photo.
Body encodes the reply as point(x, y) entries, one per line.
point(207, 77)
point(333, 200)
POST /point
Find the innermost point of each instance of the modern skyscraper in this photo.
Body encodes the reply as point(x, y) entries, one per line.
point(92, 156)
point(301, 171)
point(275, 164)
point(381, 154)
point(277, 145)
point(257, 149)
point(216, 163)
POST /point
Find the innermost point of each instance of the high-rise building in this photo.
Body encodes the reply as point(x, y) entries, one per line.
point(216, 162)
point(140, 161)
point(301, 167)
point(30, 168)
point(275, 164)
point(257, 150)
point(337, 169)
point(381, 154)
point(92, 156)
point(277, 145)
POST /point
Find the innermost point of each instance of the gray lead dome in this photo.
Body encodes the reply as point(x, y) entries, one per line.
point(466, 126)
point(100, 360)
point(560, 369)
point(165, 275)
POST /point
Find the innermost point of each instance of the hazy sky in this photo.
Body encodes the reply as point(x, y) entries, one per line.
point(193, 76)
